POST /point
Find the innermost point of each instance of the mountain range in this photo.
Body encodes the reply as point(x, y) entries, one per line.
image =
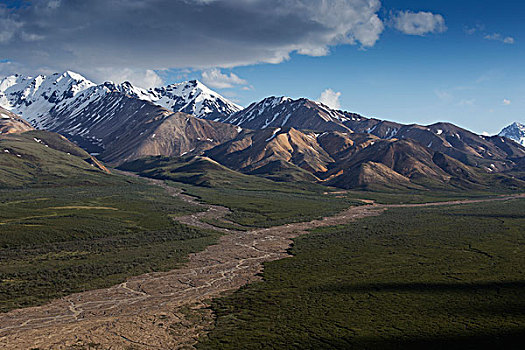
point(280, 138)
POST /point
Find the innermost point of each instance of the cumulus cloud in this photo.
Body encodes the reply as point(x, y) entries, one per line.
point(506, 102)
point(498, 37)
point(145, 78)
point(330, 98)
point(418, 23)
point(143, 35)
point(216, 79)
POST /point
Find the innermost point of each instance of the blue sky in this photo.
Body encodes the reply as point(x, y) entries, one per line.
point(465, 67)
point(457, 76)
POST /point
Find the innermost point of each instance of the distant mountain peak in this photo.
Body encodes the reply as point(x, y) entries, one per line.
point(515, 131)
point(283, 111)
point(38, 98)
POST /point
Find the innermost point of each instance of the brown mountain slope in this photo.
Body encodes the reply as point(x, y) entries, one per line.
point(304, 114)
point(252, 150)
point(12, 123)
point(369, 175)
point(174, 134)
point(403, 156)
point(347, 160)
point(487, 153)
point(118, 127)
point(400, 163)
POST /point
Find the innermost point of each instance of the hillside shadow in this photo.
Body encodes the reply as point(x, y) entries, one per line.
point(497, 307)
point(424, 287)
point(503, 337)
point(508, 340)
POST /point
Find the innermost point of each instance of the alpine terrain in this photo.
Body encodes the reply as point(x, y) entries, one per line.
point(515, 131)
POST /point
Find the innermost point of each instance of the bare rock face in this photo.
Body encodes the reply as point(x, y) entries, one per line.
point(174, 134)
point(11, 123)
point(252, 150)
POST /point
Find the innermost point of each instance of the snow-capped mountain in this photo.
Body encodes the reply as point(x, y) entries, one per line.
point(36, 98)
point(44, 99)
point(195, 98)
point(286, 112)
point(121, 121)
point(191, 97)
point(489, 154)
point(515, 131)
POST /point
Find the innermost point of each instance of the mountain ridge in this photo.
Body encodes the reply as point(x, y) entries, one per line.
point(515, 132)
point(43, 98)
point(278, 137)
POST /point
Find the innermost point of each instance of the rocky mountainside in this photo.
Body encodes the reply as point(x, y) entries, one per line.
point(303, 114)
point(190, 97)
point(118, 127)
point(44, 99)
point(121, 121)
point(11, 123)
point(347, 160)
point(278, 137)
point(491, 154)
point(515, 131)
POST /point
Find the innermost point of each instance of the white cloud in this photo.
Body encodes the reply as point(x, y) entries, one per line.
point(142, 78)
point(199, 34)
point(330, 98)
point(498, 37)
point(418, 23)
point(484, 133)
point(216, 79)
point(506, 102)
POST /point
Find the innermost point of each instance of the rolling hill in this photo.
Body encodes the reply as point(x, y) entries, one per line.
point(43, 159)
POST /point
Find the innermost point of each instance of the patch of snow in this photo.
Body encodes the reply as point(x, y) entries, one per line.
point(286, 119)
point(369, 130)
point(273, 135)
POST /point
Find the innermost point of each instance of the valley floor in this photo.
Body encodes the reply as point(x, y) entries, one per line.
point(170, 309)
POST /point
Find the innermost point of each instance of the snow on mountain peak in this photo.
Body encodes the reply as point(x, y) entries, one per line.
point(33, 98)
point(515, 131)
point(193, 97)
point(67, 93)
